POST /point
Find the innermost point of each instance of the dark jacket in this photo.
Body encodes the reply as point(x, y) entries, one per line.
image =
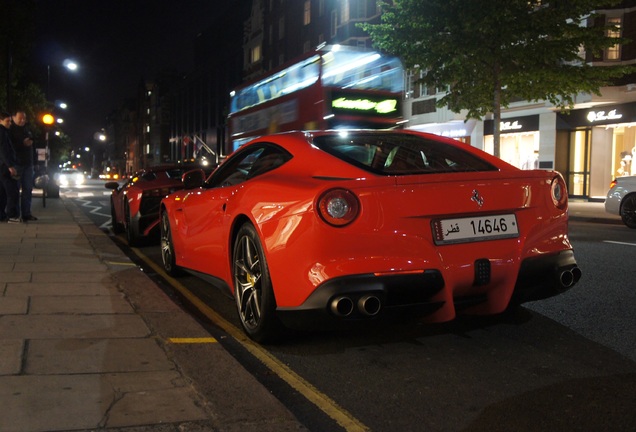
point(7, 153)
point(24, 153)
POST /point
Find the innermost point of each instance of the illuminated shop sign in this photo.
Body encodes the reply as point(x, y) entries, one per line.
point(365, 104)
point(510, 126)
point(599, 116)
point(513, 125)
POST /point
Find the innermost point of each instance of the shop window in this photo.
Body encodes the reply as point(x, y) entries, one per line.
point(307, 13)
point(578, 176)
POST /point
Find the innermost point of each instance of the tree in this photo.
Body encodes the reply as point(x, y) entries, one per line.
point(488, 53)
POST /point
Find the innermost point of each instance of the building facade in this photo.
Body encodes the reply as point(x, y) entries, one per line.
point(590, 145)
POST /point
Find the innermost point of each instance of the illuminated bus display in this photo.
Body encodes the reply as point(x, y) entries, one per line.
point(333, 87)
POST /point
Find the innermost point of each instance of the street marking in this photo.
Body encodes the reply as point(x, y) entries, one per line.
point(94, 209)
point(311, 393)
point(619, 243)
point(201, 340)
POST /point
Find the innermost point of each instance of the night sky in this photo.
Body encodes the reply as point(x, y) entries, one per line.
point(116, 43)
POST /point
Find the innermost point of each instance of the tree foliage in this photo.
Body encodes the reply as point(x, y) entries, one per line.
point(488, 53)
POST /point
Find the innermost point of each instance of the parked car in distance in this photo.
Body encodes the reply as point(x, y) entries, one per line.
point(70, 177)
point(134, 205)
point(621, 199)
point(309, 229)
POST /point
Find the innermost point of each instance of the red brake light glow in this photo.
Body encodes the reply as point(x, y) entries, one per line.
point(338, 207)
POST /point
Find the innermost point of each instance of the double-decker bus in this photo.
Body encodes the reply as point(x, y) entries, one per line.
point(334, 87)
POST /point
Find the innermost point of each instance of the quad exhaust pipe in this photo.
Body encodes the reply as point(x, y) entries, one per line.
point(343, 306)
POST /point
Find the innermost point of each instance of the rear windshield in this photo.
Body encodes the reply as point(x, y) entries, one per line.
point(394, 154)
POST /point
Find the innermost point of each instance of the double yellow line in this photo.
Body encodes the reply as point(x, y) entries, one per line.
point(320, 400)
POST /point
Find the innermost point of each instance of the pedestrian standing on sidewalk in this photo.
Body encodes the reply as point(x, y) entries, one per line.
point(8, 173)
point(22, 141)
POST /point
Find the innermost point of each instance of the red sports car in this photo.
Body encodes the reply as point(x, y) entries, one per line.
point(310, 228)
point(134, 207)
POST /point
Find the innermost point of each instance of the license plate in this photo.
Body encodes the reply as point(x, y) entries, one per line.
point(470, 229)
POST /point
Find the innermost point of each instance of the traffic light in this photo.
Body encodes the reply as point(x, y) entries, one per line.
point(48, 119)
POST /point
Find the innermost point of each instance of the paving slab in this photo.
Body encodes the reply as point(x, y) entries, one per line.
point(70, 266)
point(80, 304)
point(13, 305)
point(70, 277)
point(85, 356)
point(71, 402)
point(71, 326)
point(11, 351)
point(15, 277)
point(62, 288)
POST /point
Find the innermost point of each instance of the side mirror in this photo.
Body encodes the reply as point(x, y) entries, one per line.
point(193, 179)
point(111, 185)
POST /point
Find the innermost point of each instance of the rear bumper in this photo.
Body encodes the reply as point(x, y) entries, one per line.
point(545, 276)
point(369, 296)
point(352, 298)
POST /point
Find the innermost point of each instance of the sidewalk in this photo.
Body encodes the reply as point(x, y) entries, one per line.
point(85, 341)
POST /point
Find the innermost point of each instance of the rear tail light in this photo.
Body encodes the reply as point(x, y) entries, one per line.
point(559, 192)
point(613, 183)
point(338, 207)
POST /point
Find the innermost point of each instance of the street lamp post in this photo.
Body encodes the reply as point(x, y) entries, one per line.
point(48, 120)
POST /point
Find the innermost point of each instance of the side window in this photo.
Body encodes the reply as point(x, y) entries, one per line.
point(254, 161)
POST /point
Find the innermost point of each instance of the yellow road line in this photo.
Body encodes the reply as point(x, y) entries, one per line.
point(311, 393)
point(201, 340)
point(120, 263)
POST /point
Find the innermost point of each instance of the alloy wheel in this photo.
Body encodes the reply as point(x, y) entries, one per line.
point(247, 276)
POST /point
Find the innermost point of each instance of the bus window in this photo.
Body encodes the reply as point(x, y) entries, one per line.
point(326, 89)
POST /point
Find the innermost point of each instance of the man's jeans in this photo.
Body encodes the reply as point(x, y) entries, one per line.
point(26, 186)
point(10, 196)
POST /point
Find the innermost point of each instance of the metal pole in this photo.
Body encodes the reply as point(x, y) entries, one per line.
point(46, 168)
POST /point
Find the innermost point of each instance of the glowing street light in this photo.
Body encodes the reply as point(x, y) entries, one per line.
point(70, 65)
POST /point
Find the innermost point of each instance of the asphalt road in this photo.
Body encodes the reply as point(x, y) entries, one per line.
point(566, 363)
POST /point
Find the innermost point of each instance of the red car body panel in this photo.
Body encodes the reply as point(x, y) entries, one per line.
point(392, 235)
point(155, 183)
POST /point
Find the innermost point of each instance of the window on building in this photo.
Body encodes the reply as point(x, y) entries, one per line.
point(344, 11)
point(281, 28)
point(255, 54)
point(357, 9)
point(334, 24)
point(307, 13)
point(614, 52)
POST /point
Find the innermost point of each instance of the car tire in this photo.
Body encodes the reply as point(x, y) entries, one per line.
point(117, 227)
point(628, 211)
point(132, 234)
point(253, 291)
point(167, 247)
